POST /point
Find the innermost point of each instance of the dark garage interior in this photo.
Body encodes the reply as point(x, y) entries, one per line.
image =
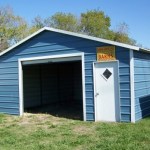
point(54, 88)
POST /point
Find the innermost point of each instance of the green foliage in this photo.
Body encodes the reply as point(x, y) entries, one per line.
point(64, 21)
point(122, 34)
point(38, 22)
point(95, 23)
point(12, 28)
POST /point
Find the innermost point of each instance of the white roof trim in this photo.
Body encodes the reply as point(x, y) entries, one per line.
point(93, 38)
point(22, 41)
point(72, 34)
point(145, 50)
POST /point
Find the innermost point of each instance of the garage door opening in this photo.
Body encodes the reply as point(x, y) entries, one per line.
point(54, 88)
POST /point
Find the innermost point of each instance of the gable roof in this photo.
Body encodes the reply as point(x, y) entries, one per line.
point(76, 35)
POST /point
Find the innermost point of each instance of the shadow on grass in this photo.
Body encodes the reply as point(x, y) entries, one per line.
point(62, 111)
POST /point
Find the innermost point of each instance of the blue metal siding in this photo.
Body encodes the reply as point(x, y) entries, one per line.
point(142, 84)
point(123, 55)
point(52, 43)
point(46, 43)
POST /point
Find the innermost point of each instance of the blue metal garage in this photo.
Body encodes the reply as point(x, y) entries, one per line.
point(92, 78)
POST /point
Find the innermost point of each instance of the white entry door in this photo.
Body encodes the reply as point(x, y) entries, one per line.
point(106, 91)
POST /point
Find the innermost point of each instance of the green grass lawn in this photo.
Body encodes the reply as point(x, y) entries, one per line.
point(45, 132)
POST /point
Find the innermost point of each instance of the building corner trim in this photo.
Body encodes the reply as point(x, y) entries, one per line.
point(132, 94)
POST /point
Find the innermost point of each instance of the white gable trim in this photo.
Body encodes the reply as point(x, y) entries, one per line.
point(22, 41)
point(72, 34)
point(93, 38)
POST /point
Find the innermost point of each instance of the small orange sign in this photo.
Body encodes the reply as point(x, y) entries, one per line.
point(106, 53)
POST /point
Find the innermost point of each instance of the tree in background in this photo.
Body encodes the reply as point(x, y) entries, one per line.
point(94, 23)
point(64, 21)
point(12, 28)
point(122, 34)
point(3, 42)
point(37, 23)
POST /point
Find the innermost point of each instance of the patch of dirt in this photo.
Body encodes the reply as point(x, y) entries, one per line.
point(39, 119)
point(82, 129)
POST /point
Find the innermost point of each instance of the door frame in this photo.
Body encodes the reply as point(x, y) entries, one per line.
point(94, 80)
point(54, 58)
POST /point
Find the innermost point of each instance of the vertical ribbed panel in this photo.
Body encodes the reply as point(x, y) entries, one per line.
point(49, 79)
point(77, 84)
point(65, 82)
point(89, 83)
point(31, 86)
point(123, 55)
point(142, 84)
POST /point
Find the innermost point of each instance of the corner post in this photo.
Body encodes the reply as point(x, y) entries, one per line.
point(132, 86)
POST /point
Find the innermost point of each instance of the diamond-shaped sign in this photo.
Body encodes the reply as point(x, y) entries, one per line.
point(107, 74)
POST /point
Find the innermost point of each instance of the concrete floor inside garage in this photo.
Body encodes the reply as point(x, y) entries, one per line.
point(54, 88)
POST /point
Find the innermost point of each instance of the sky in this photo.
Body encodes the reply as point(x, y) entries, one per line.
point(135, 13)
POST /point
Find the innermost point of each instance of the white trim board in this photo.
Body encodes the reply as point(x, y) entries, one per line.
point(51, 60)
point(76, 35)
point(132, 86)
point(21, 106)
point(62, 57)
point(94, 87)
point(51, 57)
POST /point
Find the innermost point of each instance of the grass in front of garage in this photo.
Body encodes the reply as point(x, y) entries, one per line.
point(43, 131)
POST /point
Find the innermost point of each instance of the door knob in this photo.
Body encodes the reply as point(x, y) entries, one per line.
point(96, 94)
